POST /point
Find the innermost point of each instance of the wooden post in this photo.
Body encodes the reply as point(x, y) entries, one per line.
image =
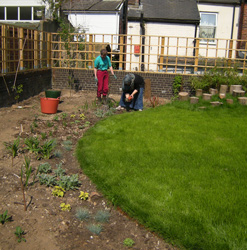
point(230, 53)
point(162, 53)
point(4, 54)
point(90, 48)
point(147, 92)
point(48, 50)
point(21, 40)
point(196, 55)
point(121, 53)
point(35, 49)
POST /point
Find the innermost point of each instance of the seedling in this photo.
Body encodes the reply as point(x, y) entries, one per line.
point(49, 124)
point(27, 172)
point(96, 229)
point(56, 118)
point(102, 216)
point(82, 214)
point(19, 234)
point(83, 195)
point(64, 115)
point(128, 242)
point(58, 191)
point(65, 207)
point(58, 154)
point(43, 136)
point(5, 217)
point(13, 148)
point(82, 116)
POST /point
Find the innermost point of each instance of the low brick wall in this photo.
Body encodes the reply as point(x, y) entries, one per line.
point(33, 83)
point(161, 84)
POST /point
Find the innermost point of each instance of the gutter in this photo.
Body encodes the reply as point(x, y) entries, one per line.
point(233, 19)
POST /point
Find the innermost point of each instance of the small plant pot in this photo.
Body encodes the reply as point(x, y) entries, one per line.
point(49, 105)
point(52, 93)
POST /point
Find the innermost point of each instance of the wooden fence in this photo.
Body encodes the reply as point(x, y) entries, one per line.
point(25, 49)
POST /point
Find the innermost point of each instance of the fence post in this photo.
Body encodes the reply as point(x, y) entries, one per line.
point(48, 50)
point(162, 53)
point(229, 62)
point(4, 54)
point(196, 55)
point(90, 48)
point(21, 39)
point(121, 53)
point(35, 49)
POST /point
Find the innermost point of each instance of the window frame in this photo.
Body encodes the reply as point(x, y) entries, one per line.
point(208, 26)
point(19, 14)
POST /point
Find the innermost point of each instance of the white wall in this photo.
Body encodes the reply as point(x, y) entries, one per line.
point(223, 29)
point(178, 35)
point(97, 24)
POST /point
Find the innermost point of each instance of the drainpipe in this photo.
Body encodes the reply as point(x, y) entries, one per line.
point(143, 40)
point(233, 19)
point(196, 26)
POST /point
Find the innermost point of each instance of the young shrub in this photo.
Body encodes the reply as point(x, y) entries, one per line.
point(65, 207)
point(102, 216)
point(83, 195)
point(58, 191)
point(128, 242)
point(44, 168)
point(82, 214)
point(96, 229)
point(48, 180)
point(69, 182)
point(59, 171)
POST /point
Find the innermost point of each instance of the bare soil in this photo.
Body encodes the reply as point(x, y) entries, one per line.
point(45, 225)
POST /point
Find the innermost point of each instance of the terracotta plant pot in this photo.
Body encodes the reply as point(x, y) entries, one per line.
point(52, 93)
point(49, 105)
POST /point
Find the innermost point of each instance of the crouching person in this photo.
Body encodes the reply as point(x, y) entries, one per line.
point(132, 96)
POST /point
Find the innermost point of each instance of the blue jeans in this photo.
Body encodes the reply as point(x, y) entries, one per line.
point(136, 103)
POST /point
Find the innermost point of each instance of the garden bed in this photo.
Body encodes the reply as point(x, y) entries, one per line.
point(44, 224)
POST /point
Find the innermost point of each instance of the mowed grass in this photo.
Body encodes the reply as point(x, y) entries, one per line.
point(182, 173)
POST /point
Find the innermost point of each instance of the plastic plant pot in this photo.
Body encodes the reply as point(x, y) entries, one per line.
point(52, 93)
point(49, 105)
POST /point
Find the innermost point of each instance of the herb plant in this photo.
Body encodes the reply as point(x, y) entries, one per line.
point(128, 242)
point(58, 191)
point(13, 148)
point(44, 168)
point(95, 228)
point(102, 216)
point(83, 195)
point(69, 182)
point(65, 207)
point(82, 214)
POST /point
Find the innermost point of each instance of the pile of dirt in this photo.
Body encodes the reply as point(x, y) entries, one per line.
point(44, 224)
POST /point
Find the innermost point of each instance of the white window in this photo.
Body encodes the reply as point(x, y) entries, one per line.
point(21, 13)
point(208, 26)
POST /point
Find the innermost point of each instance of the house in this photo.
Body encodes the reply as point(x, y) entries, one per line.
point(215, 19)
point(97, 17)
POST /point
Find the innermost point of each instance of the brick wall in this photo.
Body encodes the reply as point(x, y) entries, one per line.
point(161, 84)
point(33, 83)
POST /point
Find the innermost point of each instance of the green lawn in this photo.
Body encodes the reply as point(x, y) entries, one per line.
point(180, 172)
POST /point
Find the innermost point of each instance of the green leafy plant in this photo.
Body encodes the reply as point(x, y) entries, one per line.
point(102, 216)
point(95, 228)
point(65, 207)
point(56, 118)
point(43, 135)
point(18, 90)
point(5, 217)
point(83, 195)
point(46, 149)
point(49, 124)
point(44, 168)
point(69, 182)
point(32, 144)
point(58, 191)
point(13, 148)
point(82, 214)
point(59, 171)
point(128, 242)
point(48, 180)
point(177, 84)
point(64, 115)
point(19, 234)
